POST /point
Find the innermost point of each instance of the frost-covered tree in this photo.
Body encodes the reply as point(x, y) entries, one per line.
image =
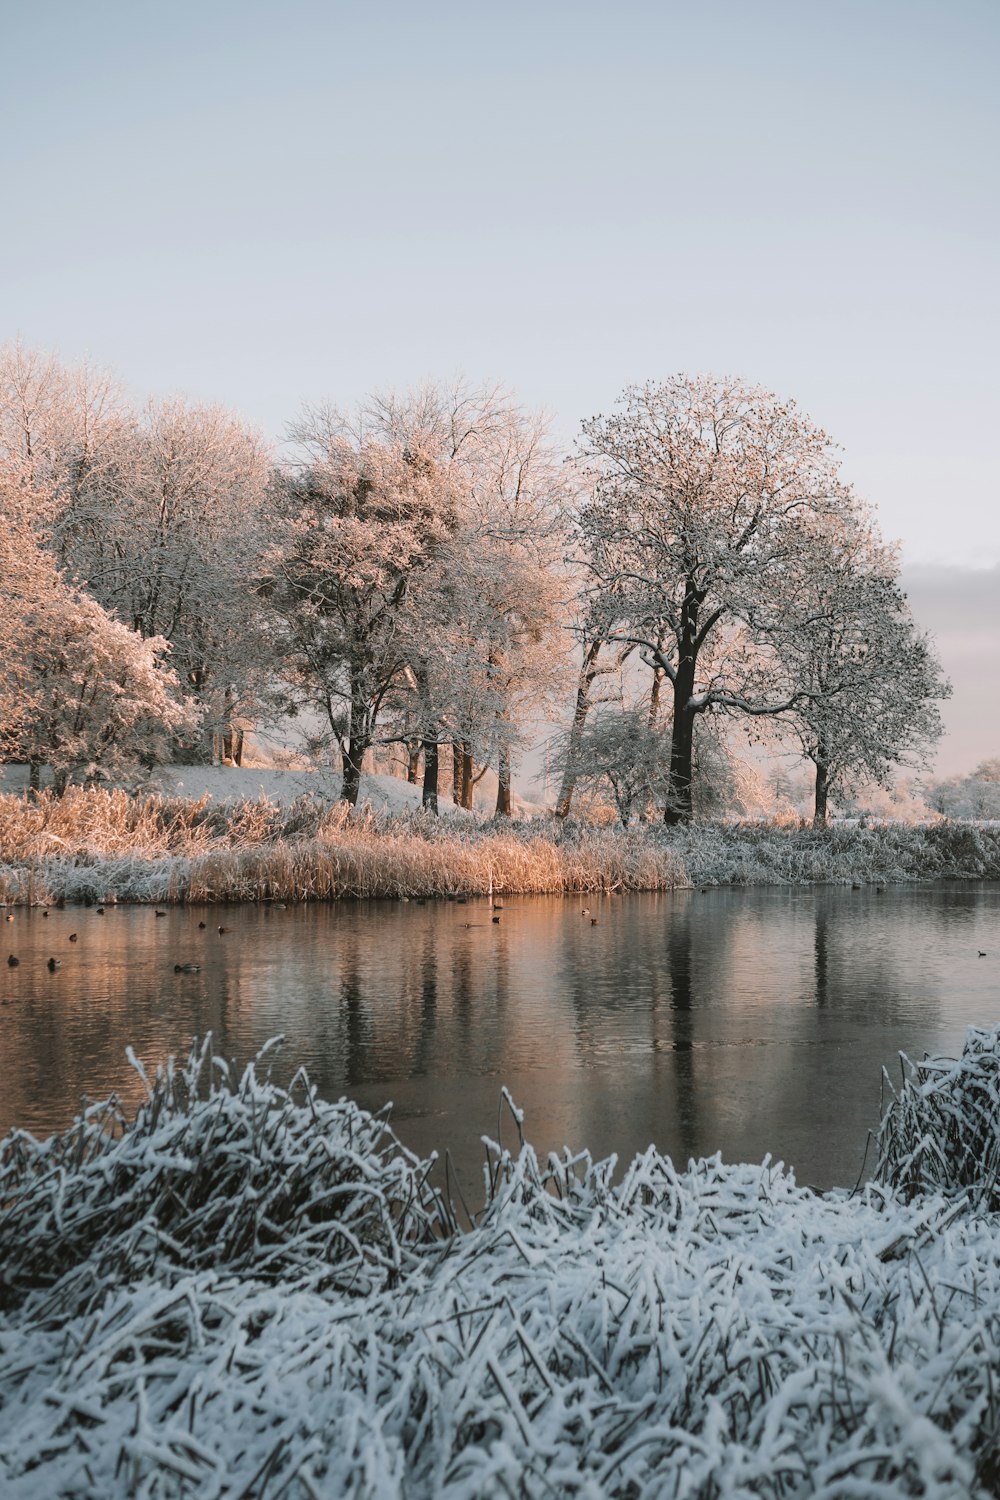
point(598, 681)
point(58, 426)
point(496, 635)
point(705, 493)
point(617, 750)
point(975, 796)
point(79, 691)
point(364, 520)
point(865, 681)
point(167, 531)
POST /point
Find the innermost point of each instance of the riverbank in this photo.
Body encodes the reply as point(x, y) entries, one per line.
point(100, 846)
point(247, 1291)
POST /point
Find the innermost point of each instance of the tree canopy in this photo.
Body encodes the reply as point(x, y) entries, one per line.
point(414, 574)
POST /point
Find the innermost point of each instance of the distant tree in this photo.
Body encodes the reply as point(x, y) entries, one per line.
point(975, 796)
point(705, 492)
point(865, 681)
point(616, 750)
point(598, 681)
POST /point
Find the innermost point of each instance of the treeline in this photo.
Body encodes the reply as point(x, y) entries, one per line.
point(429, 572)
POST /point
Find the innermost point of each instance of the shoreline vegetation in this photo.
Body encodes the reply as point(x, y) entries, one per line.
point(247, 1290)
point(96, 845)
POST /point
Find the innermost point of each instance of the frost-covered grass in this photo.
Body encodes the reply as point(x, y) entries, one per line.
point(97, 845)
point(942, 1130)
point(717, 1332)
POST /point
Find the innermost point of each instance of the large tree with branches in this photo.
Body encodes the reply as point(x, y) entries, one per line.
point(707, 497)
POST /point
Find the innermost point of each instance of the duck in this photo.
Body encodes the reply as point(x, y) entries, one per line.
point(497, 921)
point(187, 968)
point(13, 961)
point(224, 929)
point(159, 913)
point(202, 925)
point(54, 964)
point(100, 911)
point(74, 937)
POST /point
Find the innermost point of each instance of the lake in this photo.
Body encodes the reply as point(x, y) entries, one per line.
point(747, 1021)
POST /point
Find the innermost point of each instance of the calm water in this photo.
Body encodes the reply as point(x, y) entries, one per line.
point(742, 1021)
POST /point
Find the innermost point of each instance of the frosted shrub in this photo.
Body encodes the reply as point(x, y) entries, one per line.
point(239, 1176)
point(941, 1130)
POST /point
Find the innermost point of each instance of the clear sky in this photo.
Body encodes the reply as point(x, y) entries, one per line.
point(264, 203)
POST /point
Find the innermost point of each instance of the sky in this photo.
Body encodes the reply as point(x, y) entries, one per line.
point(264, 204)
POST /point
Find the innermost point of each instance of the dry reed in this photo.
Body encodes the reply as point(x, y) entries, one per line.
point(95, 845)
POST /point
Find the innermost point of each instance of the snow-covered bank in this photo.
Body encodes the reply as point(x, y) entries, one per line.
point(248, 1293)
point(95, 845)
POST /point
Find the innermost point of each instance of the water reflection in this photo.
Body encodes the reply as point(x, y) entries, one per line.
point(741, 1021)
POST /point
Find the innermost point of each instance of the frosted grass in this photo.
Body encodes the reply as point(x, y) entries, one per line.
point(712, 1332)
point(94, 845)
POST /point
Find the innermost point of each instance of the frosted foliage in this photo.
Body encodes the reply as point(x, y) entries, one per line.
point(490, 647)
point(864, 679)
point(712, 505)
point(976, 795)
point(714, 1332)
point(167, 531)
point(363, 524)
point(79, 691)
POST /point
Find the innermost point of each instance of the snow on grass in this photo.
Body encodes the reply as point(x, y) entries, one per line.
point(106, 845)
point(713, 1332)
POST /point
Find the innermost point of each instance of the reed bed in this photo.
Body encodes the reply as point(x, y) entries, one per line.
point(95, 845)
point(248, 1293)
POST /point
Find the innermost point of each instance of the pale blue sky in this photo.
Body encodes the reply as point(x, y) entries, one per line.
point(263, 203)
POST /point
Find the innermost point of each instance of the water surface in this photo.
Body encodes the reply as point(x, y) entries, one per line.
point(748, 1021)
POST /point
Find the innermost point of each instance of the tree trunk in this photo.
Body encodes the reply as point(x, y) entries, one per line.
point(358, 740)
point(654, 697)
point(822, 794)
point(412, 762)
point(680, 802)
point(457, 775)
point(231, 748)
point(429, 800)
point(585, 682)
point(468, 779)
point(504, 807)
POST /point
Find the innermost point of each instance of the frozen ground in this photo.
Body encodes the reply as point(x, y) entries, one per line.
point(235, 783)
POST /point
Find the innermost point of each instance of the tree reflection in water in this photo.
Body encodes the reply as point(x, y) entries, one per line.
point(746, 1021)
